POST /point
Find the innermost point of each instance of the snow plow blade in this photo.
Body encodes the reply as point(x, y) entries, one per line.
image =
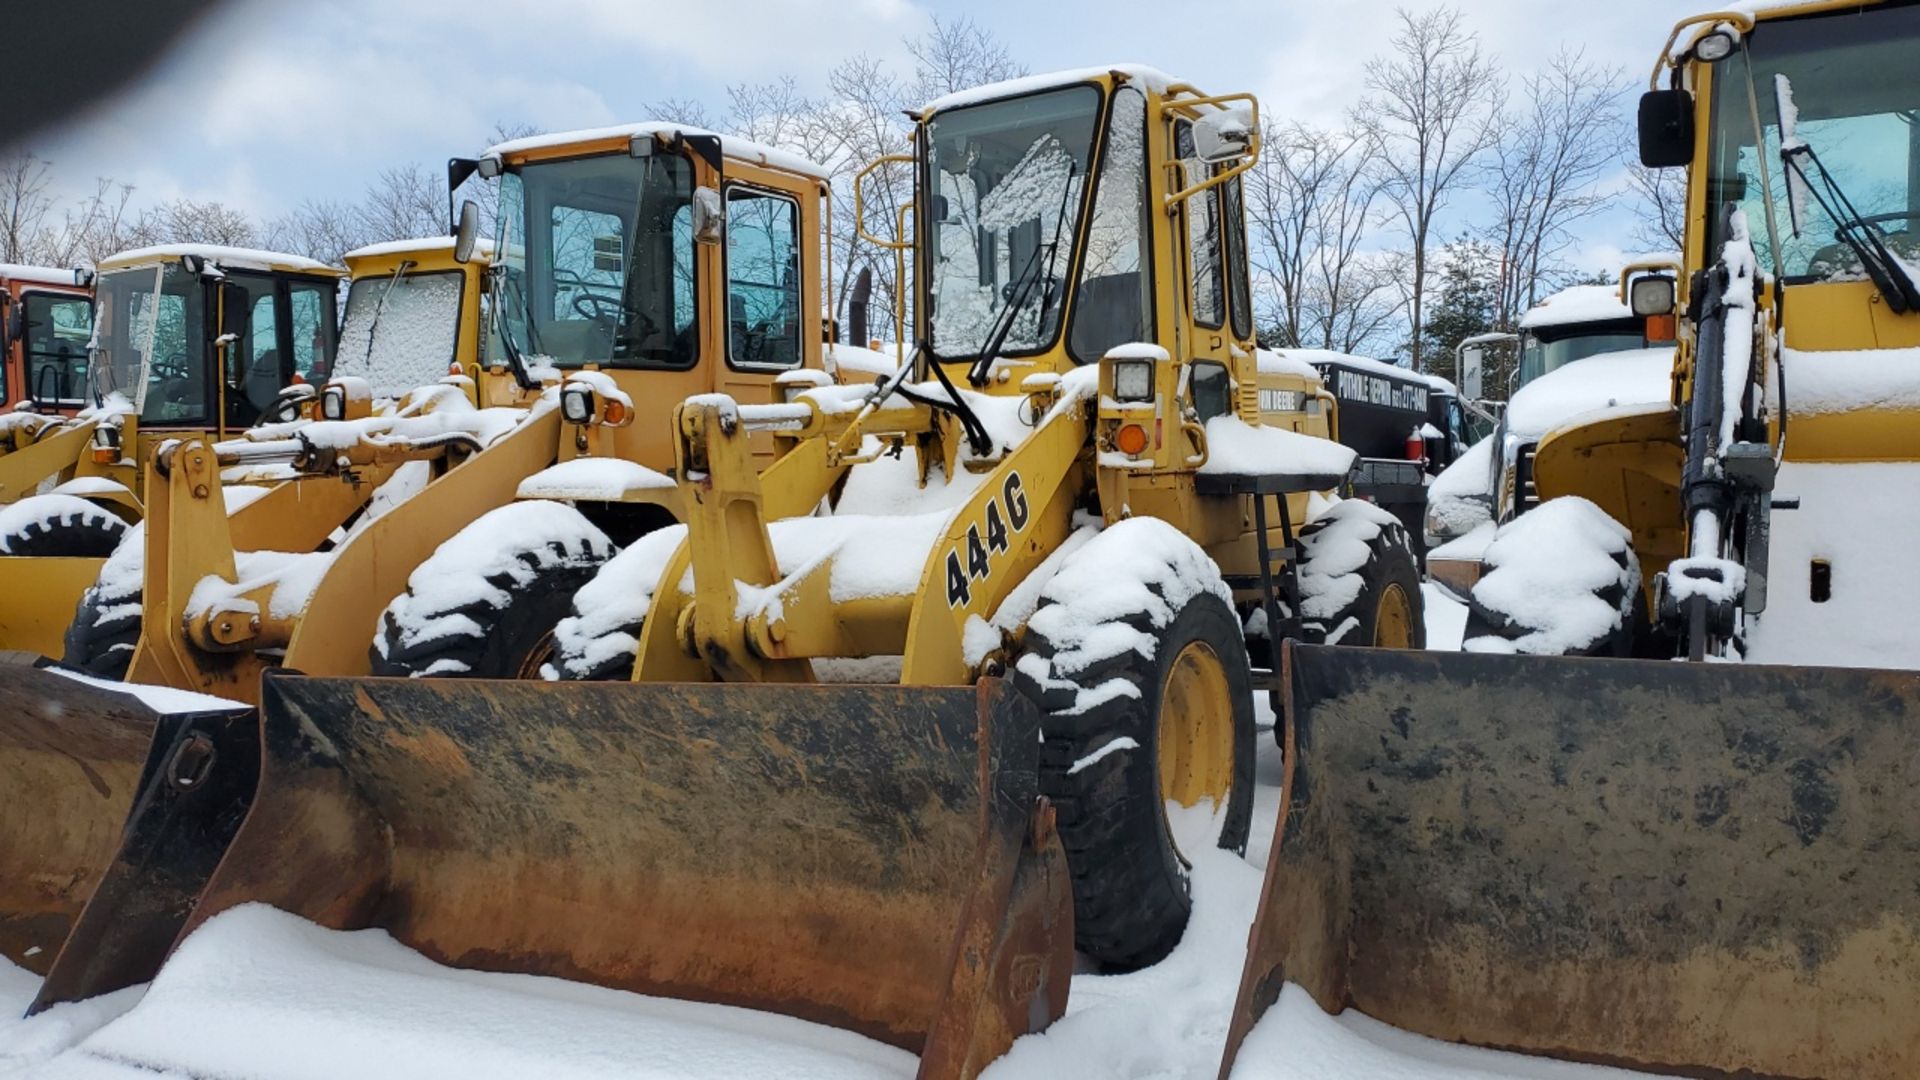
point(875, 858)
point(1701, 869)
point(72, 758)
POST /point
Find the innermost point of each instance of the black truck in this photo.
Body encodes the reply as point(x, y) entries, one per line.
point(1404, 426)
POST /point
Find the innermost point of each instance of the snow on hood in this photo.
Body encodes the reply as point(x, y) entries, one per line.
point(1579, 304)
point(1286, 362)
point(1602, 381)
point(1466, 477)
point(1826, 382)
point(1235, 446)
point(731, 146)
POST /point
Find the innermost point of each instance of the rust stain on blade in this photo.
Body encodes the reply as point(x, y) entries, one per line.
point(1699, 869)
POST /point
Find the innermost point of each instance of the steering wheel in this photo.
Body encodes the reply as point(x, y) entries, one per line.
point(591, 305)
point(173, 367)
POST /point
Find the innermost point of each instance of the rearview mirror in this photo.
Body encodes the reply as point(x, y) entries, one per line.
point(468, 232)
point(1473, 362)
point(1654, 294)
point(1666, 128)
point(236, 308)
point(709, 218)
point(1224, 137)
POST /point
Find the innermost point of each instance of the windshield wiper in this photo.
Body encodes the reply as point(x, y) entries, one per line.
point(514, 360)
point(373, 326)
point(1902, 293)
point(1023, 289)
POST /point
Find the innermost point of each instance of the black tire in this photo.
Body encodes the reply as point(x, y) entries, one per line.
point(525, 587)
point(1535, 554)
point(1344, 598)
point(1130, 881)
point(59, 526)
point(106, 625)
point(599, 639)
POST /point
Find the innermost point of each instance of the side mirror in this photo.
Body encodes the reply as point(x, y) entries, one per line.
point(1225, 136)
point(1654, 294)
point(709, 216)
point(468, 232)
point(1473, 365)
point(1666, 128)
point(16, 327)
point(236, 310)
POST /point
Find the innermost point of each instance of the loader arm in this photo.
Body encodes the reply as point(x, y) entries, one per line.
point(27, 468)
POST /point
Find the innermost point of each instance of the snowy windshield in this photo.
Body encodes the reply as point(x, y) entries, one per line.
point(1859, 111)
point(1007, 179)
point(596, 261)
point(1539, 356)
point(400, 329)
point(149, 332)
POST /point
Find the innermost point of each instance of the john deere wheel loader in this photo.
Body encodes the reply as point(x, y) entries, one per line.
point(1024, 576)
point(195, 607)
point(188, 340)
point(1699, 868)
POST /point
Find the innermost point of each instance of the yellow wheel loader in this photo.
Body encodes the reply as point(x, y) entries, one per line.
point(1701, 868)
point(958, 681)
point(187, 340)
point(621, 310)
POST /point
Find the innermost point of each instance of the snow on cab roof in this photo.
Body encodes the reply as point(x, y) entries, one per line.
point(43, 275)
point(482, 248)
point(1155, 79)
point(731, 146)
point(219, 255)
point(1578, 304)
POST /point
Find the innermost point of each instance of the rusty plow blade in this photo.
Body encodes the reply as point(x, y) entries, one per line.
point(73, 756)
point(1699, 869)
point(876, 858)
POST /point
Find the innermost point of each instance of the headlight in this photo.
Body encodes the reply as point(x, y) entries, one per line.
point(576, 404)
point(1133, 380)
point(333, 403)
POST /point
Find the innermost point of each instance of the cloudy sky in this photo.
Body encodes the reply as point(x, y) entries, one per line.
point(271, 103)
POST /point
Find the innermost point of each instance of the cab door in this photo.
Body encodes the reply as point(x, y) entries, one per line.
point(766, 330)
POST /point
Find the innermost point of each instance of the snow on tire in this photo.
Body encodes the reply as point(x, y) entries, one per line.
point(600, 637)
point(1358, 572)
point(1559, 580)
point(1139, 610)
point(59, 526)
point(106, 624)
point(486, 603)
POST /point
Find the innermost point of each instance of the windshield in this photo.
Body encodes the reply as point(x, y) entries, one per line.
point(57, 328)
point(1538, 356)
point(1007, 178)
point(150, 333)
point(1858, 103)
point(596, 261)
point(400, 330)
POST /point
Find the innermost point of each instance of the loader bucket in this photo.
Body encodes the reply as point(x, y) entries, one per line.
point(72, 757)
point(1699, 869)
point(876, 858)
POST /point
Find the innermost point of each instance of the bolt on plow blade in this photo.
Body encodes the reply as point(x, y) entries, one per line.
point(1702, 869)
point(876, 858)
point(73, 756)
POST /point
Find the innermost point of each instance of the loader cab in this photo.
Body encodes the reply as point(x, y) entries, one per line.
point(413, 314)
point(46, 319)
point(1050, 216)
point(204, 338)
point(668, 260)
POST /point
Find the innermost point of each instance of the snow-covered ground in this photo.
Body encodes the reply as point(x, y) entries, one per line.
point(258, 993)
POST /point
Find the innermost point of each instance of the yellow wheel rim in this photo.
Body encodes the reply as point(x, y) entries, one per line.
point(1393, 619)
point(542, 653)
point(1196, 729)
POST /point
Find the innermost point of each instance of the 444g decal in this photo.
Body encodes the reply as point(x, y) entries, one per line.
point(967, 562)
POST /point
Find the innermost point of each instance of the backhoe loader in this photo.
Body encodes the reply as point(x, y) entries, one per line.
point(1704, 868)
point(364, 496)
point(959, 681)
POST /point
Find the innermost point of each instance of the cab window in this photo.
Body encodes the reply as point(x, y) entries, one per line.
point(763, 278)
point(55, 343)
point(1202, 215)
point(310, 313)
point(253, 362)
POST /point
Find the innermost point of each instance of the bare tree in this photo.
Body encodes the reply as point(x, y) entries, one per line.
point(1308, 202)
point(680, 110)
point(404, 202)
point(191, 221)
point(1431, 106)
point(1662, 195)
point(1545, 174)
point(24, 204)
point(323, 229)
point(957, 54)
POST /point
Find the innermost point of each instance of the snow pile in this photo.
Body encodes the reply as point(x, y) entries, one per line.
point(1577, 304)
point(260, 993)
point(26, 1042)
point(1850, 516)
point(1237, 447)
point(1141, 569)
point(506, 548)
point(1283, 362)
point(1446, 618)
point(1830, 382)
point(290, 576)
point(1545, 573)
point(592, 478)
point(32, 518)
point(1332, 555)
point(1601, 381)
point(859, 365)
point(1460, 499)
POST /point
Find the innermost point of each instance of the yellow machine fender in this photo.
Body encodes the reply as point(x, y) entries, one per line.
point(1627, 463)
point(877, 858)
point(1705, 869)
point(22, 471)
point(41, 594)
